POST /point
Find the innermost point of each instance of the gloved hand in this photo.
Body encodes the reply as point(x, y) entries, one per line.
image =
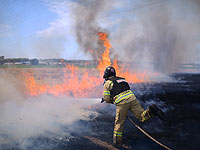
point(102, 100)
point(104, 82)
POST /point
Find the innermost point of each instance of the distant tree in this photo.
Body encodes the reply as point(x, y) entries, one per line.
point(34, 61)
point(1, 62)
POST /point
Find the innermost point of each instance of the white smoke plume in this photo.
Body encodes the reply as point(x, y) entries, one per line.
point(23, 118)
point(160, 36)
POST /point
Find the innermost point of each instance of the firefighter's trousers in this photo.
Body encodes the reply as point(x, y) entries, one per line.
point(121, 113)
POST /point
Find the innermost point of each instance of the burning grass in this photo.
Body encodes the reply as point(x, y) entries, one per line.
point(75, 81)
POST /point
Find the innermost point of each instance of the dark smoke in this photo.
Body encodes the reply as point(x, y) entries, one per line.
point(86, 13)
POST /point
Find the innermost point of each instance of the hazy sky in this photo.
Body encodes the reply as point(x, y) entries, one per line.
point(29, 26)
point(48, 28)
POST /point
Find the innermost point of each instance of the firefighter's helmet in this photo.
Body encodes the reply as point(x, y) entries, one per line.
point(109, 71)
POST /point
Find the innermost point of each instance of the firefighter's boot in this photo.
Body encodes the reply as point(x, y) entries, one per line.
point(117, 141)
point(155, 111)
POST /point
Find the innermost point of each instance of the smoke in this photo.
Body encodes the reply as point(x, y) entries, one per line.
point(160, 36)
point(157, 36)
point(23, 118)
point(85, 15)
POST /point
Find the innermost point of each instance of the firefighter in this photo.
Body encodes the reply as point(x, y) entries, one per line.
point(117, 91)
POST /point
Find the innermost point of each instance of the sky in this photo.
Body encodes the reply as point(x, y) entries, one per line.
point(24, 24)
point(27, 26)
point(53, 28)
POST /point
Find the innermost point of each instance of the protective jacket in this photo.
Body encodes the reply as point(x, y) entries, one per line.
point(116, 89)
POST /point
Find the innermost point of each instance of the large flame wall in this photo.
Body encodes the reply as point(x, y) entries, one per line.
point(79, 82)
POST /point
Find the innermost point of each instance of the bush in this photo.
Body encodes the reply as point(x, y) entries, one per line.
point(34, 61)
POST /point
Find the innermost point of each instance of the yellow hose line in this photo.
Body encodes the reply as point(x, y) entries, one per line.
point(149, 136)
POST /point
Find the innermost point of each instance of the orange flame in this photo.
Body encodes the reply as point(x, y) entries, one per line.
point(105, 61)
point(83, 83)
point(105, 58)
point(73, 84)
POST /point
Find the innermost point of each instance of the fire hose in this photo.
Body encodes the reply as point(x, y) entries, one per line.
point(149, 136)
point(144, 132)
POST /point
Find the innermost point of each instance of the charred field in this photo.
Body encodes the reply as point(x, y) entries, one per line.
point(180, 100)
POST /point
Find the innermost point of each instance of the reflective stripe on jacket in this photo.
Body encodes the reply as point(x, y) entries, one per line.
point(118, 98)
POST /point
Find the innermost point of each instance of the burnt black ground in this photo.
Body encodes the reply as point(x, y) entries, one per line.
point(180, 130)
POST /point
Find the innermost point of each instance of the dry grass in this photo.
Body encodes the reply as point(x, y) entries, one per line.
point(45, 75)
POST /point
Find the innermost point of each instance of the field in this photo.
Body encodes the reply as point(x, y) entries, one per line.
point(180, 101)
point(46, 74)
point(45, 66)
